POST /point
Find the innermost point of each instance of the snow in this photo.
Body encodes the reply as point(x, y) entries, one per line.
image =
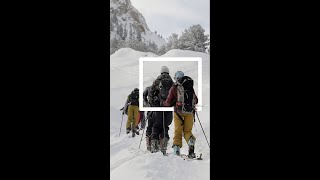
point(127, 161)
point(153, 38)
point(129, 20)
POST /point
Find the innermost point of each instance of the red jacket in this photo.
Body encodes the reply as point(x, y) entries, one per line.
point(172, 97)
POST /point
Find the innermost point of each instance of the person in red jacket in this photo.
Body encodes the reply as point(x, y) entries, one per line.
point(184, 99)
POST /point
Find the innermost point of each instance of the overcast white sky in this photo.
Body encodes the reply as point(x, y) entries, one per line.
point(173, 16)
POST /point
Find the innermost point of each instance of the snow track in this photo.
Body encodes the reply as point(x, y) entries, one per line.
point(127, 161)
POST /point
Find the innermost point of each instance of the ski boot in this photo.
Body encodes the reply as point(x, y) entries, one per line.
point(128, 130)
point(191, 144)
point(137, 130)
point(176, 150)
point(133, 129)
point(163, 145)
point(148, 141)
point(154, 145)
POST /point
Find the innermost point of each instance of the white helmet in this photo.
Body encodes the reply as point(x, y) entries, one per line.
point(164, 69)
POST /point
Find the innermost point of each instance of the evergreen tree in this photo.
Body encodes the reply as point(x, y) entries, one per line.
point(173, 42)
point(130, 32)
point(152, 47)
point(116, 44)
point(125, 33)
point(139, 36)
point(120, 31)
point(162, 50)
point(193, 39)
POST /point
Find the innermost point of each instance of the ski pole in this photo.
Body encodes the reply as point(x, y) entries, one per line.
point(164, 135)
point(121, 125)
point(142, 133)
point(202, 129)
point(194, 122)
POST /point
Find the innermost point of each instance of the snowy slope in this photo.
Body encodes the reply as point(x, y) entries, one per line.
point(127, 161)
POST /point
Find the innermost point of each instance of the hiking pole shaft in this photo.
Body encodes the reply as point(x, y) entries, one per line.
point(202, 129)
point(121, 125)
point(194, 122)
point(143, 133)
point(164, 135)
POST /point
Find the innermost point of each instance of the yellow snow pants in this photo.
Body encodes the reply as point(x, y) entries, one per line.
point(186, 128)
point(133, 115)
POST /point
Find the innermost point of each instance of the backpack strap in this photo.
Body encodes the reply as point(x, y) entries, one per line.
point(180, 118)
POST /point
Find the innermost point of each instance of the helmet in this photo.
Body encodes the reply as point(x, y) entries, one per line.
point(136, 89)
point(178, 75)
point(164, 69)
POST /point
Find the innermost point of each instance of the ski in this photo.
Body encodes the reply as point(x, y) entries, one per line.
point(184, 156)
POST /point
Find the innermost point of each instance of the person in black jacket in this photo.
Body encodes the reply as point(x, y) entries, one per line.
point(161, 119)
point(150, 99)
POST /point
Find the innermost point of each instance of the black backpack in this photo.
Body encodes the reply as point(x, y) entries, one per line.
point(185, 95)
point(134, 98)
point(153, 97)
point(165, 83)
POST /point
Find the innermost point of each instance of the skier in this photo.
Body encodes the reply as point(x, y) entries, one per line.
point(184, 99)
point(150, 99)
point(161, 119)
point(132, 106)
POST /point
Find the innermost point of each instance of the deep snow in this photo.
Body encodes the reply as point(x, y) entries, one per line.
point(127, 161)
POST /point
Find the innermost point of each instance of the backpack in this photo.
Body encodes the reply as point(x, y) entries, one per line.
point(134, 98)
point(153, 99)
point(185, 95)
point(165, 83)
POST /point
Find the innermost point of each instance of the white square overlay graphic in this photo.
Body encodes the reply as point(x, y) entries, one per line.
point(199, 95)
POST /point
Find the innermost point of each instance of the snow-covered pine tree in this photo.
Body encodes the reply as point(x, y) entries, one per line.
point(153, 47)
point(139, 36)
point(120, 30)
point(193, 39)
point(116, 44)
point(162, 50)
point(173, 42)
point(125, 33)
point(130, 32)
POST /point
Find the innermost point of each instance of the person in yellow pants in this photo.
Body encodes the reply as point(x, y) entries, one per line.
point(133, 112)
point(183, 98)
point(184, 126)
